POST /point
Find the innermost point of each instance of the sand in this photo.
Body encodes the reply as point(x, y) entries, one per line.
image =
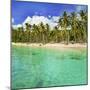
point(54, 45)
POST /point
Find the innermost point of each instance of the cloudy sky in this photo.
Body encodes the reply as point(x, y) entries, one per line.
point(37, 12)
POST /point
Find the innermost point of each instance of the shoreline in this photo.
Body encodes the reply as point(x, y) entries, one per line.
point(54, 45)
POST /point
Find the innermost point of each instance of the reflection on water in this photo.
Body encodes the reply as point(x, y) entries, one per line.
point(41, 67)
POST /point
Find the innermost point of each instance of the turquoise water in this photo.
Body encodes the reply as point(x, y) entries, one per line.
point(43, 67)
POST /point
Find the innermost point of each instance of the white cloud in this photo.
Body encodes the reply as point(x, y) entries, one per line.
point(38, 19)
point(19, 25)
point(52, 21)
point(49, 16)
point(27, 20)
point(16, 26)
point(55, 18)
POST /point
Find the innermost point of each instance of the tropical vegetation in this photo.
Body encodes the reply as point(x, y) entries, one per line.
point(70, 29)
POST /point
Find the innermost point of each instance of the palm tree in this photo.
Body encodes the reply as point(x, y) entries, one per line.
point(47, 28)
point(42, 31)
point(52, 36)
point(28, 27)
point(83, 16)
point(14, 35)
point(36, 33)
point(64, 23)
point(56, 34)
point(74, 24)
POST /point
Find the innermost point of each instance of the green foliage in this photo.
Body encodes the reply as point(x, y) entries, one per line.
point(43, 34)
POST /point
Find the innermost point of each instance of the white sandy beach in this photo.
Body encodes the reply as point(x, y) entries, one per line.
point(54, 45)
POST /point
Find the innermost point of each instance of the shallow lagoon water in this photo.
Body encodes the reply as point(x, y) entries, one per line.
point(44, 67)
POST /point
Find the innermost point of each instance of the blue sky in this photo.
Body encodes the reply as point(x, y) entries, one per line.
point(20, 10)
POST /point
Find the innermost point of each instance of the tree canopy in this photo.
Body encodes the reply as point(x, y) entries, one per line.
point(70, 29)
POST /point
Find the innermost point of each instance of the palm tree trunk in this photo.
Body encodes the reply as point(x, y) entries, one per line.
point(67, 37)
